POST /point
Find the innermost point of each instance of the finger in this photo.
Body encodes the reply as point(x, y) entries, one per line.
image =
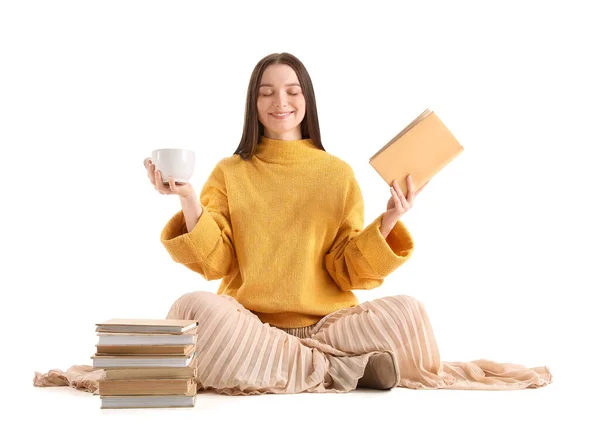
point(395, 196)
point(410, 196)
point(400, 195)
point(149, 167)
point(159, 183)
point(172, 185)
point(397, 201)
point(156, 180)
point(151, 173)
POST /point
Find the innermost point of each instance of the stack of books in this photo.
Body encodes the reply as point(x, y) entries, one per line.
point(148, 363)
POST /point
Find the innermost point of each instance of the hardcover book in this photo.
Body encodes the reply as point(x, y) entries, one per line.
point(421, 149)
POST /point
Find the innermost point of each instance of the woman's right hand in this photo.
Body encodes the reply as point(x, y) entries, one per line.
point(184, 190)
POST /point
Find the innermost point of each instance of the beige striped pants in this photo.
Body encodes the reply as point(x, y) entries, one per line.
point(240, 355)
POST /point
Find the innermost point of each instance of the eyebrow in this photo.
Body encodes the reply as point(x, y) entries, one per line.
point(286, 85)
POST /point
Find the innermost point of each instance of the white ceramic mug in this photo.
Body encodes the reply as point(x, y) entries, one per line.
point(172, 162)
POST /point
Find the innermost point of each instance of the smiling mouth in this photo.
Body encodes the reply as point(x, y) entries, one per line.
point(280, 116)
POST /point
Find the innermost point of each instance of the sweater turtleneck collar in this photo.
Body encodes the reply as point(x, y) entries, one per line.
point(274, 150)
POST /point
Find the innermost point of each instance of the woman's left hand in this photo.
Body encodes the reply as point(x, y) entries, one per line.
point(398, 204)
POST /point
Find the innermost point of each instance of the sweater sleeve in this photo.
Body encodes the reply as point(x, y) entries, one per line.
point(360, 258)
point(208, 249)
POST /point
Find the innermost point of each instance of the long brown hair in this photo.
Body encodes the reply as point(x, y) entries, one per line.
point(253, 128)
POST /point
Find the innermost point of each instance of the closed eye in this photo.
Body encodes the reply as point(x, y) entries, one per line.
point(271, 94)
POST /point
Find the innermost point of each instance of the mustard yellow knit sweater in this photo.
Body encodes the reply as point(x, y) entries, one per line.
point(284, 231)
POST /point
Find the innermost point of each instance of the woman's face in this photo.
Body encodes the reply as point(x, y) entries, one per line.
point(280, 93)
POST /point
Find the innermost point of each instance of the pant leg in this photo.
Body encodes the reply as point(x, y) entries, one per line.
point(400, 324)
point(238, 354)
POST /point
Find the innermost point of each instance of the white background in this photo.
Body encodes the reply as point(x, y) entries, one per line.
point(506, 236)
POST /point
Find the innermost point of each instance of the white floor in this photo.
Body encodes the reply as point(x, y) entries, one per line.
point(558, 404)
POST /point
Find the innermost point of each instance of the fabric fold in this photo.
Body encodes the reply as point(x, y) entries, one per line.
point(240, 355)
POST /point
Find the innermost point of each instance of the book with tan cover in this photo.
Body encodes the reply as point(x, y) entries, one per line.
point(144, 349)
point(141, 331)
point(133, 387)
point(131, 361)
point(105, 338)
point(150, 401)
point(421, 149)
point(131, 325)
point(150, 373)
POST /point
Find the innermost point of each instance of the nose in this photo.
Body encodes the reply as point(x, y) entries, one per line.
point(280, 100)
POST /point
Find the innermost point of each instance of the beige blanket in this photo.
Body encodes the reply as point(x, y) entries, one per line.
point(80, 377)
point(240, 355)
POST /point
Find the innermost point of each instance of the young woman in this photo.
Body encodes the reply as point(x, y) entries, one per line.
point(281, 223)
